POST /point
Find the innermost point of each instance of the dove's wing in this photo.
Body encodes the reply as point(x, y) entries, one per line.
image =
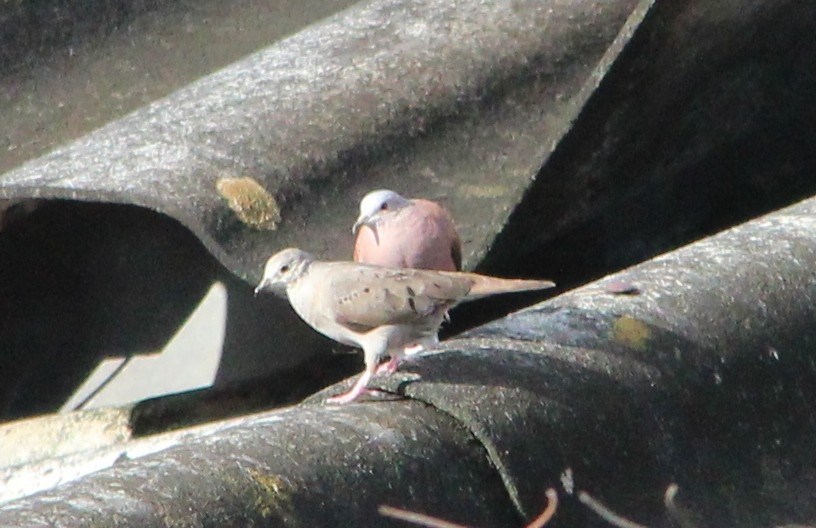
point(366, 297)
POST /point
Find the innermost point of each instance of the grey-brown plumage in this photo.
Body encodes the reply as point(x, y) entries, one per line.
point(380, 310)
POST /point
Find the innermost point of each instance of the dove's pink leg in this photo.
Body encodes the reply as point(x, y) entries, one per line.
point(359, 388)
point(374, 347)
point(390, 366)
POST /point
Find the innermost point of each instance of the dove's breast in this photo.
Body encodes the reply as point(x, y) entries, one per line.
point(311, 304)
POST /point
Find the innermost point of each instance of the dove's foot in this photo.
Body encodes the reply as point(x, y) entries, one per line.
point(413, 349)
point(348, 397)
point(359, 388)
point(389, 367)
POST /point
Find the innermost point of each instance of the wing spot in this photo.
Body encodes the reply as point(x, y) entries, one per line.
point(366, 290)
point(411, 291)
point(412, 304)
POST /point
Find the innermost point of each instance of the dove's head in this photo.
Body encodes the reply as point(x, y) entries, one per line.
point(376, 204)
point(282, 269)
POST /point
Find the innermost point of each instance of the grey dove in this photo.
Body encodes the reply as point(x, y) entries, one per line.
point(378, 309)
point(396, 232)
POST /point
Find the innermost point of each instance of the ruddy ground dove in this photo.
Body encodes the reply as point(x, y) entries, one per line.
point(396, 232)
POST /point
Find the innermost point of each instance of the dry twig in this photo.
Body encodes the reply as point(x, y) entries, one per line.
point(418, 519)
point(427, 521)
point(680, 517)
point(605, 513)
point(549, 511)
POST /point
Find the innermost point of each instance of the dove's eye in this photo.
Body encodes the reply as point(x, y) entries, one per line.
point(384, 206)
point(284, 268)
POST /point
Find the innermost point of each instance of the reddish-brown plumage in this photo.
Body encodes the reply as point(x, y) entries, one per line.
point(419, 235)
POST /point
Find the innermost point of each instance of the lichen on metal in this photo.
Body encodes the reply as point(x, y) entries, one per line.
point(273, 497)
point(252, 204)
point(631, 332)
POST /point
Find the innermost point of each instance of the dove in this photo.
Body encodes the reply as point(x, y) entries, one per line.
point(396, 232)
point(378, 309)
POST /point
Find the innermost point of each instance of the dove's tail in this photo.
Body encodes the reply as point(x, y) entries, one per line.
point(484, 285)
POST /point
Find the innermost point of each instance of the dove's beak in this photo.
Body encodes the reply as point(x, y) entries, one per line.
point(361, 221)
point(271, 285)
point(366, 221)
point(262, 286)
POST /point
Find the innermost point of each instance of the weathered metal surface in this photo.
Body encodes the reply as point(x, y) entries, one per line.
point(67, 67)
point(35, 439)
point(703, 374)
point(703, 122)
point(705, 377)
point(42, 452)
point(460, 98)
point(82, 282)
point(302, 467)
point(30, 30)
point(300, 120)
